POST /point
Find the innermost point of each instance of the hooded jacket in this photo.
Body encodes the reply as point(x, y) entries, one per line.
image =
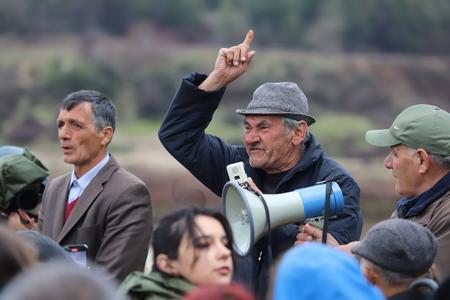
point(154, 286)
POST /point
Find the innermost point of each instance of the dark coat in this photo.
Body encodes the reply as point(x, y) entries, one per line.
point(113, 217)
point(206, 157)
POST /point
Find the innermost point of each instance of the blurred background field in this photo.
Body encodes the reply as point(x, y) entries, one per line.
point(359, 62)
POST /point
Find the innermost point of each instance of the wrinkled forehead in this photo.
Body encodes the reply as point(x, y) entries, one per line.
point(260, 119)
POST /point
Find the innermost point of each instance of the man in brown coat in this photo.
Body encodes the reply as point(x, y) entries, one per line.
point(99, 203)
point(420, 162)
point(419, 158)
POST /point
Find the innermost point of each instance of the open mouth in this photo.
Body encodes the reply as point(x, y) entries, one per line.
point(66, 149)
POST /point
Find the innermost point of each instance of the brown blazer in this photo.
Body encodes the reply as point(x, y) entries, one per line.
point(113, 217)
point(436, 217)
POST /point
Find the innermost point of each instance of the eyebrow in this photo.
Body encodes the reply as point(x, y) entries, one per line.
point(260, 123)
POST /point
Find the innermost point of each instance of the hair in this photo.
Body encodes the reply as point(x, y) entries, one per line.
point(59, 280)
point(16, 255)
point(441, 160)
point(290, 124)
point(104, 112)
point(167, 237)
point(48, 249)
point(391, 278)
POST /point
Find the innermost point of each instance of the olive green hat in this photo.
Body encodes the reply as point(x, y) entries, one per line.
point(419, 126)
point(18, 170)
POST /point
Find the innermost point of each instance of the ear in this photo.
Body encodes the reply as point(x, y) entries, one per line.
point(106, 135)
point(370, 274)
point(423, 160)
point(167, 265)
point(300, 133)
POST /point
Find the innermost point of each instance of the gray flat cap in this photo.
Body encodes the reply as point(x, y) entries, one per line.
point(279, 98)
point(400, 246)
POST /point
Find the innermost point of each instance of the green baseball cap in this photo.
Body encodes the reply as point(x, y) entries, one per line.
point(419, 126)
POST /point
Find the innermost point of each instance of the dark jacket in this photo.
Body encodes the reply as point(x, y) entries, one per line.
point(206, 157)
point(412, 294)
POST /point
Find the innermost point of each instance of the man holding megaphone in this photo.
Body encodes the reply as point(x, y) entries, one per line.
point(279, 152)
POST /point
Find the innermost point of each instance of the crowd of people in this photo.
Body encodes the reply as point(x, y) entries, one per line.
point(103, 212)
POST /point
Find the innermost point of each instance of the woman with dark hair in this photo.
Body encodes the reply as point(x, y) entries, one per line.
point(191, 247)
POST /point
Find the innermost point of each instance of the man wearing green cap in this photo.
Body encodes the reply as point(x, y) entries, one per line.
point(419, 139)
point(420, 162)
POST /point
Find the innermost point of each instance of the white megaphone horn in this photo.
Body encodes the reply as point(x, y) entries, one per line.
point(246, 213)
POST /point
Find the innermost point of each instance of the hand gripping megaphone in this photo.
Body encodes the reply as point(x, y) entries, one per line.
point(246, 212)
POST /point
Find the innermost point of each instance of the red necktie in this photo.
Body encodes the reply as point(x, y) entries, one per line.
point(69, 208)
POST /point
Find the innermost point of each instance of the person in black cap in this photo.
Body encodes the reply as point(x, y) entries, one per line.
point(279, 153)
point(396, 253)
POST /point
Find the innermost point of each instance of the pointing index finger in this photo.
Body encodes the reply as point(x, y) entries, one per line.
point(248, 38)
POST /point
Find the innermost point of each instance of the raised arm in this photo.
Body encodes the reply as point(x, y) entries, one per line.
point(182, 131)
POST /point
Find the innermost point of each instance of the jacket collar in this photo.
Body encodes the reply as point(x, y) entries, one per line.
point(410, 207)
point(86, 199)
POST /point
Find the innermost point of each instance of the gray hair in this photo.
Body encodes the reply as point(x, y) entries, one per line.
point(441, 160)
point(391, 278)
point(290, 124)
point(104, 112)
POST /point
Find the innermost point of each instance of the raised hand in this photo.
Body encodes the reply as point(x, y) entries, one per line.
point(230, 64)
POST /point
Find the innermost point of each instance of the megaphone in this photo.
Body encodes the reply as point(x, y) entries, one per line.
point(246, 213)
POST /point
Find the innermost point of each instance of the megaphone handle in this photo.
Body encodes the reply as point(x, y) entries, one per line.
point(269, 233)
point(326, 215)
